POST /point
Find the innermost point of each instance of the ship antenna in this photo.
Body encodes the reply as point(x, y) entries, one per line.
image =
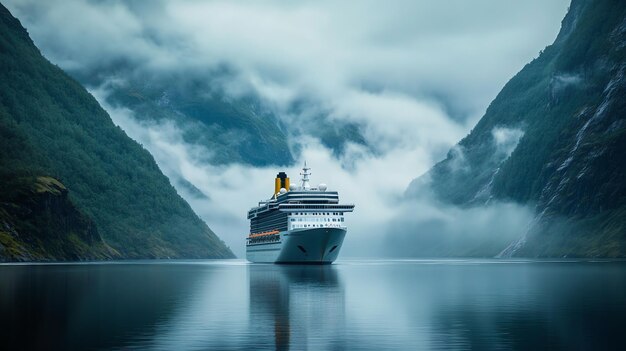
point(305, 177)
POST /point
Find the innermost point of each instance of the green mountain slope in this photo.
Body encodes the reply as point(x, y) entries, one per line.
point(555, 139)
point(38, 221)
point(235, 130)
point(51, 127)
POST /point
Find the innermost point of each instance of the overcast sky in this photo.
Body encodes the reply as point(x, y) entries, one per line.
point(416, 74)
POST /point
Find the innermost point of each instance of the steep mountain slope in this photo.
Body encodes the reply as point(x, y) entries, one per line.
point(235, 129)
point(38, 221)
point(554, 138)
point(53, 132)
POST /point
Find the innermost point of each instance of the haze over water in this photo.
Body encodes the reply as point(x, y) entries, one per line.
point(356, 305)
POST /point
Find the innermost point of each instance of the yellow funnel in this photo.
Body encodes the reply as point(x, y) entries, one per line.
point(281, 181)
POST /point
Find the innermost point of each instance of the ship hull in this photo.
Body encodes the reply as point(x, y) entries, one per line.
point(300, 246)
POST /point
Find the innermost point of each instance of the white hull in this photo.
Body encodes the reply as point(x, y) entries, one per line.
point(310, 246)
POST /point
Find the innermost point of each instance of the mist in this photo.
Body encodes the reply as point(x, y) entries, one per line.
point(374, 183)
point(425, 227)
point(415, 77)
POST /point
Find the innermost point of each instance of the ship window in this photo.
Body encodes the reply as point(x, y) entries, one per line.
point(342, 219)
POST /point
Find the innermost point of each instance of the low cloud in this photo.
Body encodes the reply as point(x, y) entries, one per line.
point(373, 183)
point(426, 227)
point(506, 139)
point(457, 161)
point(414, 76)
point(460, 53)
point(562, 80)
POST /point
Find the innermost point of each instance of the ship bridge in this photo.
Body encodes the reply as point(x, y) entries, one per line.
point(298, 206)
point(312, 200)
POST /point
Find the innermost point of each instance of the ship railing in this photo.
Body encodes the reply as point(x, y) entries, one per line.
point(311, 207)
point(256, 235)
point(322, 204)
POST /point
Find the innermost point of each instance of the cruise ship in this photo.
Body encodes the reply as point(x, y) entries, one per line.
point(298, 224)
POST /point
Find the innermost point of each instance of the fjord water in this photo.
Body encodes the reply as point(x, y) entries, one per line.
point(355, 305)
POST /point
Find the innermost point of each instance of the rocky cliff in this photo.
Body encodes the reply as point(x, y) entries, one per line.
point(554, 139)
point(38, 221)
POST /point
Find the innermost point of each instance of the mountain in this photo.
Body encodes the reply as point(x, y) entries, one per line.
point(239, 129)
point(233, 130)
point(74, 185)
point(553, 139)
point(214, 109)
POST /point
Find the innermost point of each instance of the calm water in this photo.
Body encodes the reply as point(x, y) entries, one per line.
point(355, 305)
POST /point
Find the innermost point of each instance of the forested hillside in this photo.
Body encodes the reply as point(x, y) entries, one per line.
point(238, 129)
point(52, 131)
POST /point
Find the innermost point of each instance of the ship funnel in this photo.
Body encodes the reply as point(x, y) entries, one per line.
point(281, 182)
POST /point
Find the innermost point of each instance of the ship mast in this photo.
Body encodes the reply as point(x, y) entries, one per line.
point(305, 177)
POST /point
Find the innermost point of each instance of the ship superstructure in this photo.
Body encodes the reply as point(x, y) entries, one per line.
point(298, 224)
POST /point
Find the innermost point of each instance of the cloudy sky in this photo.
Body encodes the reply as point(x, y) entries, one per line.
point(417, 75)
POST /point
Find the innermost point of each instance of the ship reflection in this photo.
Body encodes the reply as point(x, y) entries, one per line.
point(296, 305)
